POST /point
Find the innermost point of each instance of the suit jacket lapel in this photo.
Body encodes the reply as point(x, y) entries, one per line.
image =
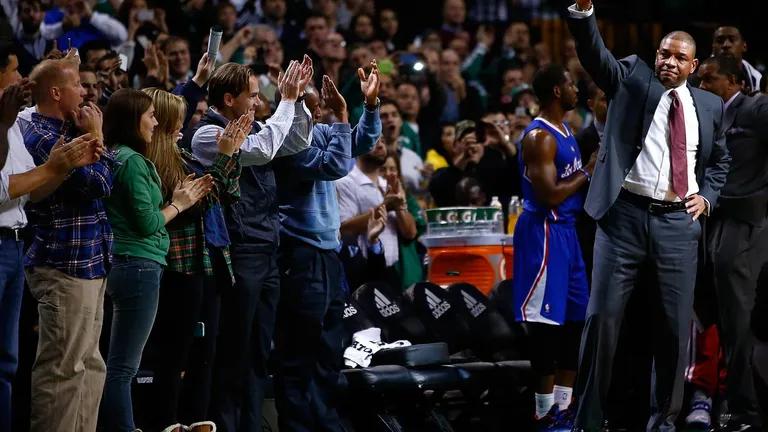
point(730, 113)
point(655, 91)
point(705, 142)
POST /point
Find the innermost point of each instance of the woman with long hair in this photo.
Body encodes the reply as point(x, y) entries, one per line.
point(184, 337)
point(138, 212)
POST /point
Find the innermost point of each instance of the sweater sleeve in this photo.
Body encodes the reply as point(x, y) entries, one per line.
point(136, 183)
point(366, 133)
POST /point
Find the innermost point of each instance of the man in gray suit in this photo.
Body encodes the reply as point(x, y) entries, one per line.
point(661, 166)
point(737, 238)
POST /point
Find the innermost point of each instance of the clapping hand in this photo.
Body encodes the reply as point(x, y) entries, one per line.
point(334, 100)
point(370, 85)
point(81, 151)
point(234, 134)
point(306, 73)
point(377, 221)
point(394, 199)
point(288, 82)
point(191, 190)
point(12, 100)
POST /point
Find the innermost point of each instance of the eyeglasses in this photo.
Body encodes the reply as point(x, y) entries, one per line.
point(502, 123)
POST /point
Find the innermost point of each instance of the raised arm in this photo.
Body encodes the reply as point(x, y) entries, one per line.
point(330, 163)
point(368, 129)
point(601, 65)
point(539, 150)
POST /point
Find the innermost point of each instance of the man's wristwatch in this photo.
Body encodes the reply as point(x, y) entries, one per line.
point(378, 104)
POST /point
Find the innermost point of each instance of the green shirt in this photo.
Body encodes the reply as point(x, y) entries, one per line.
point(133, 208)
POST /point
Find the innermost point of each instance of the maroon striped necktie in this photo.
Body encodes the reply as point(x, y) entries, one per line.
point(677, 146)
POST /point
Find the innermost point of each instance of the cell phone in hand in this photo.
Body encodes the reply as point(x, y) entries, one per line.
point(145, 15)
point(123, 62)
point(214, 40)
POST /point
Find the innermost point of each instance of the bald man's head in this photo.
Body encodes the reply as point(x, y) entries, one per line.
point(676, 58)
point(57, 87)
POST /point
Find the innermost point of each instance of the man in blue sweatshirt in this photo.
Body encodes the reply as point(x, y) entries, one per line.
point(309, 318)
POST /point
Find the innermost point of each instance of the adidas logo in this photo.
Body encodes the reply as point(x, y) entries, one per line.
point(474, 306)
point(349, 310)
point(386, 308)
point(436, 305)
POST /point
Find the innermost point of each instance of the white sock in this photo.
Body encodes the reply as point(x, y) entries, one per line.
point(544, 403)
point(563, 396)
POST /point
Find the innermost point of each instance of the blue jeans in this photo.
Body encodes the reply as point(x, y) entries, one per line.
point(134, 286)
point(11, 288)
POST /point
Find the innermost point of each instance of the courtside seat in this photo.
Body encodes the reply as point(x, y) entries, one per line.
point(386, 310)
point(413, 356)
point(491, 335)
point(443, 321)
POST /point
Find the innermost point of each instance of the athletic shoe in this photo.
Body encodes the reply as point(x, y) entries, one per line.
point(699, 418)
point(552, 421)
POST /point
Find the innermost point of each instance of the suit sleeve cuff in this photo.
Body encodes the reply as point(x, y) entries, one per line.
point(578, 14)
point(708, 209)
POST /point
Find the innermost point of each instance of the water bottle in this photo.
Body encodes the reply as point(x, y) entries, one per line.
point(515, 208)
point(498, 215)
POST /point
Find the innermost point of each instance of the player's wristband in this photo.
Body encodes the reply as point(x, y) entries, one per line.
point(586, 174)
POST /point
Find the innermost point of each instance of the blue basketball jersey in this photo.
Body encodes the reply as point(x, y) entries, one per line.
point(567, 162)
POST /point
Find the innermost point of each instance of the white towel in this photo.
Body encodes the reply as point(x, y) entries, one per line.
point(365, 344)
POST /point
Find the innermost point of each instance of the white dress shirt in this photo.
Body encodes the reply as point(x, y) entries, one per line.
point(357, 194)
point(19, 161)
point(651, 175)
point(259, 148)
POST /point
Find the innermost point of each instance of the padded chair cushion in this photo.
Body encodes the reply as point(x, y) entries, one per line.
point(437, 378)
point(413, 356)
point(378, 379)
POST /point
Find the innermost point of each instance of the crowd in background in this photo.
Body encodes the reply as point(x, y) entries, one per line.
point(181, 174)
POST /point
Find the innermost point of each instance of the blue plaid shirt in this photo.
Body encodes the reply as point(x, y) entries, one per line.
point(72, 233)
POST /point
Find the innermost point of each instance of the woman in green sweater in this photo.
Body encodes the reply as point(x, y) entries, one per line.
point(138, 214)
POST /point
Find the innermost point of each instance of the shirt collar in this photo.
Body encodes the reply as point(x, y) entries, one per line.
point(730, 101)
point(51, 124)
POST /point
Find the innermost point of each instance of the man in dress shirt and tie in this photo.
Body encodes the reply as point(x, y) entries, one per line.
point(661, 166)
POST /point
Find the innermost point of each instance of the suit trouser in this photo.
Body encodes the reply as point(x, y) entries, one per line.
point(245, 339)
point(737, 251)
point(308, 338)
point(69, 372)
point(627, 237)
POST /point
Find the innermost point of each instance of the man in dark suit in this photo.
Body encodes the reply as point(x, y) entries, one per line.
point(661, 165)
point(737, 237)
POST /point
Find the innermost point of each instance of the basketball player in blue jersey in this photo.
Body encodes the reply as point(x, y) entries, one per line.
point(550, 284)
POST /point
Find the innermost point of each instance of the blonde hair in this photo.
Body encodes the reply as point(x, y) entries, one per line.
point(164, 152)
point(47, 74)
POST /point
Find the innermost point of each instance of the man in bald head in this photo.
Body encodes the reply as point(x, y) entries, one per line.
point(661, 165)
